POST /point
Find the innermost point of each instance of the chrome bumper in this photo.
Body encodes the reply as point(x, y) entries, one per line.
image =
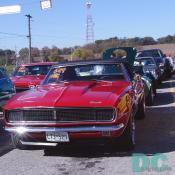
point(22, 130)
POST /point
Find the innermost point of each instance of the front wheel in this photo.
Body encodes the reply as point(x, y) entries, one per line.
point(127, 139)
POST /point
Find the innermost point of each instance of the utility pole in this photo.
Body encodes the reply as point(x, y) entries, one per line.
point(29, 37)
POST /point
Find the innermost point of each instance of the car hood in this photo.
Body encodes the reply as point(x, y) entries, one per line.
point(74, 94)
point(27, 80)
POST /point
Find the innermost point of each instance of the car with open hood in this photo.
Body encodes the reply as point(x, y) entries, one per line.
point(27, 75)
point(7, 89)
point(94, 100)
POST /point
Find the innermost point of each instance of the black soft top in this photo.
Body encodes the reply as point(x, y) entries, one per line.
point(92, 61)
point(123, 61)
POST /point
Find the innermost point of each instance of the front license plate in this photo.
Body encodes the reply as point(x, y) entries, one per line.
point(57, 136)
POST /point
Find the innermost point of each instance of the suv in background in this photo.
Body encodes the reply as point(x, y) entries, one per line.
point(159, 57)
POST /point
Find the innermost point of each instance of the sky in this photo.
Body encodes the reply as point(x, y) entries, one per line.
point(64, 25)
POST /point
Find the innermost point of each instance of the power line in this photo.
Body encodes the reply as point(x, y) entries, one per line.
point(39, 35)
point(12, 34)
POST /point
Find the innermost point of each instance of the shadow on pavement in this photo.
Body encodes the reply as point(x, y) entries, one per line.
point(5, 143)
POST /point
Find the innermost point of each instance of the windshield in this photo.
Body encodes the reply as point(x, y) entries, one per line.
point(159, 61)
point(85, 72)
point(148, 53)
point(32, 70)
point(146, 62)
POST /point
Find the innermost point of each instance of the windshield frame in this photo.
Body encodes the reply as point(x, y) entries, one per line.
point(123, 69)
point(28, 66)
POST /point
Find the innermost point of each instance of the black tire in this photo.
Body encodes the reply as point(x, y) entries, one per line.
point(150, 98)
point(127, 139)
point(140, 114)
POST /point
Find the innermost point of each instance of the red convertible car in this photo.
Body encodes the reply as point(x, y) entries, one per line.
point(27, 75)
point(78, 101)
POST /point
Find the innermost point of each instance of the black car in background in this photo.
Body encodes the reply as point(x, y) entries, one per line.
point(159, 57)
point(150, 68)
point(7, 88)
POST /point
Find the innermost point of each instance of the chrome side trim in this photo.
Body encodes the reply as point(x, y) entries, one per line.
point(38, 143)
point(22, 130)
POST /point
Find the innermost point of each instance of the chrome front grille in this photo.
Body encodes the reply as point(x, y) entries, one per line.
point(60, 115)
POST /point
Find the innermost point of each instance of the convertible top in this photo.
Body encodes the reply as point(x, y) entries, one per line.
point(98, 61)
point(95, 61)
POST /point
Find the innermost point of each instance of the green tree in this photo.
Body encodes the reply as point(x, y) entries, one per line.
point(55, 54)
point(83, 53)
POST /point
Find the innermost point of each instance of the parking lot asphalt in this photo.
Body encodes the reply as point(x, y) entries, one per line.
point(155, 134)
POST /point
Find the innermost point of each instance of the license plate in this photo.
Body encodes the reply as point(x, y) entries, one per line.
point(57, 136)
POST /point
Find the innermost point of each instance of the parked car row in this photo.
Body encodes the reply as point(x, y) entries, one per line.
point(95, 101)
point(164, 63)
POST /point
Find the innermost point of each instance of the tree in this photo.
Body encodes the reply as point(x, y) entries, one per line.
point(83, 53)
point(54, 54)
point(24, 53)
point(35, 52)
point(66, 51)
point(148, 41)
point(45, 53)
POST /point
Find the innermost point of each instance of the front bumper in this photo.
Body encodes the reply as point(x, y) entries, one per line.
point(36, 135)
point(22, 130)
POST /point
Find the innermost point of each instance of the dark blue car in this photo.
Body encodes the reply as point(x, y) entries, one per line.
point(7, 88)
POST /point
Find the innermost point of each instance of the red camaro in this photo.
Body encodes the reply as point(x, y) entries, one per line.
point(30, 75)
point(78, 101)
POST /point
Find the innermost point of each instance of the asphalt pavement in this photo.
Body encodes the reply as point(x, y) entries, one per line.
point(155, 134)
